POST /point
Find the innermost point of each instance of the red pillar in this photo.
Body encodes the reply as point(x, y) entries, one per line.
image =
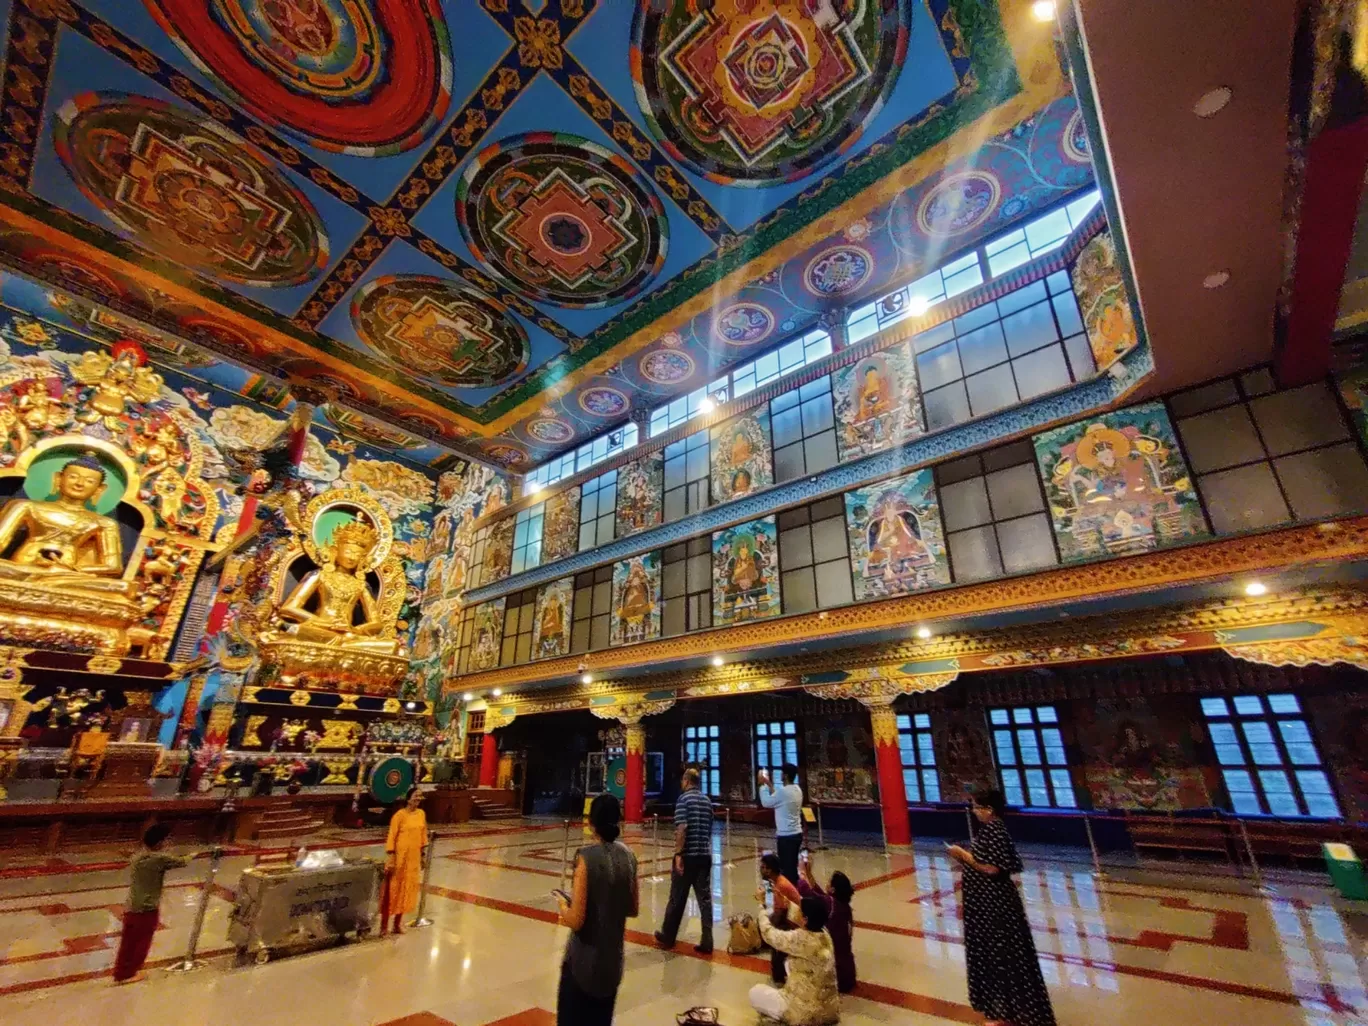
point(635, 805)
point(892, 794)
point(489, 761)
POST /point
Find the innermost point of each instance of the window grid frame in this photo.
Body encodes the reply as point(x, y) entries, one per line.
point(530, 522)
point(599, 582)
point(595, 487)
point(785, 567)
point(788, 740)
point(691, 486)
point(1014, 727)
point(697, 601)
point(917, 729)
point(805, 438)
point(710, 766)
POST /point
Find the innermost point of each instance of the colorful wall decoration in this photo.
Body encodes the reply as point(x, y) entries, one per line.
point(1102, 300)
point(498, 553)
point(640, 492)
point(486, 635)
point(551, 619)
point(878, 402)
point(560, 525)
point(1118, 484)
point(840, 760)
point(635, 614)
point(964, 757)
point(1141, 753)
point(745, 573)
point(897, 544)
point(741, 461)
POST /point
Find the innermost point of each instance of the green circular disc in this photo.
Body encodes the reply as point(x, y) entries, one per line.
point(615, 778)
point(391, 780)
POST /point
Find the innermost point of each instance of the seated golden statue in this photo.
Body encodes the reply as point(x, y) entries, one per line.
point(61, 542)
point(336, 589)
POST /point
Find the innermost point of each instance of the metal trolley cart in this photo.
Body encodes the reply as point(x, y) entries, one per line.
point(287, 910)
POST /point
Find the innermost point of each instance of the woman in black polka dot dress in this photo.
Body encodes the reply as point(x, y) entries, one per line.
point(1005, 983)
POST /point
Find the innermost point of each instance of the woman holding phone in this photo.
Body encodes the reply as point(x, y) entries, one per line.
point(602, 898)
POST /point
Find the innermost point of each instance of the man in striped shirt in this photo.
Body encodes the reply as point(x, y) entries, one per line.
point(692, 864)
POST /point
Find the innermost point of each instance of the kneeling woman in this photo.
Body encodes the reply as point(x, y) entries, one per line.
point(809, 997)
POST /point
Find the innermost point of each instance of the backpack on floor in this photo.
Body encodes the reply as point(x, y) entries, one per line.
point(698, 1017)
point(745, 935)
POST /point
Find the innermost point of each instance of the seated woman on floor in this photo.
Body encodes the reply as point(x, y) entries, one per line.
point(809, 997)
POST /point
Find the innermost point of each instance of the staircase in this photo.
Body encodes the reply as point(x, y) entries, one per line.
point(286, 822)
point(487, 808)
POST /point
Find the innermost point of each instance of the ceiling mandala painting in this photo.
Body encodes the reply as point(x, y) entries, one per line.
point(503, 227)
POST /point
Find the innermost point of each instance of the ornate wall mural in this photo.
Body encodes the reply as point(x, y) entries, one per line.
point(741, 456)
point(896, 541)
point(636, 600)
point(560, 525)
point(878, 403)
point(840, 760)
point(551, 619)
point(748, 92)
point(1134, 758)
point(190, 190)
point(1102, 300)
point(562, 219)
point(745, 573)
point(640, 491)
point(964, 756)
point(440, 330)
point(1118, 484)
point(498, 554)
point(486, 636)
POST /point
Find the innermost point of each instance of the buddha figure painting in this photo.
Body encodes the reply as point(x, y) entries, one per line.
point(487, 635)
point(1118, 485)
point(896, 541)
point(551, 622)
point(62, 541)
point(741, 456)
point(878, 403)
point(636, 604)
point(745, 578)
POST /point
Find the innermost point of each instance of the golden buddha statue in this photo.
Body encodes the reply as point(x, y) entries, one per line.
point(61, 542)
point(336, 589)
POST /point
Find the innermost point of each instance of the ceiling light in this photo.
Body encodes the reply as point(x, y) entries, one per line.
point(497, 692)
point(706, 405)
point(918, 305)
point(1215, 280)
point(410, 706)
point(586, 679)
point(467, 697)
point(717, 660)
point(1043, 10)
point(1212, 102)
point(1256, 588)
point(923, 632)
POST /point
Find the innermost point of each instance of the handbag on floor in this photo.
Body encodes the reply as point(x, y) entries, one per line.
point(698, 1017)
point(745, 935)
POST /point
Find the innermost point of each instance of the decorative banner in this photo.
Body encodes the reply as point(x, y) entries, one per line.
point(486, 635)
point(840, 760)
point(1103, 302)
point(741, 456)
point(636, 600)
point(498, 554)
point(640, 491)
point(1118, 484)
point(896, 541)
point(551, 624)
point(745, 573)
point(878, 402)
point(560, 525)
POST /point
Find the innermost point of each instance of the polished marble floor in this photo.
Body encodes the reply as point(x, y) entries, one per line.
point(1191, 947)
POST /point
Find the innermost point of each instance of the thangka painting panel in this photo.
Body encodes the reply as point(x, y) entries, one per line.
point(897, 544)
point(640, 493)
point(1103, 302)
point(560, 525)
point(745, 573)
point(498, 553)
point(486, 635)
point(741, 461)
point(1118, 484)
point(551, 622)
point(878, 402)
point(636, 600)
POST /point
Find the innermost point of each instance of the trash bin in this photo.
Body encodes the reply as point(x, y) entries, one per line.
point(1346, 871)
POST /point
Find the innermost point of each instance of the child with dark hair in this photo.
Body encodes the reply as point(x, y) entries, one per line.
point(809, 996)
point(840, 922)
point(148, 873)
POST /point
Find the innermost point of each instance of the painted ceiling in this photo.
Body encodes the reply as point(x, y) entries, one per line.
point(505, 226)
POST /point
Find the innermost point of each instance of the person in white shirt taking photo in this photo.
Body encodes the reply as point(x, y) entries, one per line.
point(787, 803)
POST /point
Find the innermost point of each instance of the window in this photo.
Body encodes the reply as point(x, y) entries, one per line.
point(686, 407)
point(475, 565)
point(776, 743)
point(475, 738)
point(1262, 458)
point(463, 634)
point(1268, 758)
point(703, 749)
point(994, 513)
point(687, 485)
point(593, 600)
point(596, 451)
point(527, 538)
point(686, 587)
point(918, 751)
point(786, 359)
point(814, 558)
point(1003, 353)
point(517, 628)
point(1030, 757)
point(1038, 236)
point(598, 500)
point(804, 431)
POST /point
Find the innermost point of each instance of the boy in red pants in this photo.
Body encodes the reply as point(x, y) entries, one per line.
point(148, 868)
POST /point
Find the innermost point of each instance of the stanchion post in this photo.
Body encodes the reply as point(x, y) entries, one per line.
point(565, 854)
point(729, 864)
point(821, 837)
point(1092, 846)
point(656, 876)
point(190, 963)
point(420, 920)
point(1249, 850)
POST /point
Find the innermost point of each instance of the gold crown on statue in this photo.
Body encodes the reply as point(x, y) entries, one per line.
point(357, 531)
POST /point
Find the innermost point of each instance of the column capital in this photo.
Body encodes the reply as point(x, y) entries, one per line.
point(632, 712)
point(873, 686)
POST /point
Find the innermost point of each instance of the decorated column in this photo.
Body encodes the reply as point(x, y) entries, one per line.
point(634, 805)
point(888, 763)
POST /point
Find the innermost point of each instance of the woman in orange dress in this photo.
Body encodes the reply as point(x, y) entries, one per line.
point(405, 847)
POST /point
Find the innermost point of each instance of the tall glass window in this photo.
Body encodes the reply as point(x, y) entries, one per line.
point(804, 428)
point(686, 586)
point(776, 743)
point(1268, 757)
point(917, 748)
point(597, 512)
point(1030, 757)
point(814, 556)
point(593, 600)
point(687, 476)
point(527, 538)
point(703, 749)
point(517, 628)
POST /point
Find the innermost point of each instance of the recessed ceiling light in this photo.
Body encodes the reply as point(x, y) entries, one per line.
point(1043, 10)
point(586, 679)
point(717, 660)
point(410, 706)
point(918, 305)
point(497, 692)
point(1215, 279)
point(1256, 588)
point(1212, 102)
point(923, 632)
point(706, 405)
point(467, 697)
